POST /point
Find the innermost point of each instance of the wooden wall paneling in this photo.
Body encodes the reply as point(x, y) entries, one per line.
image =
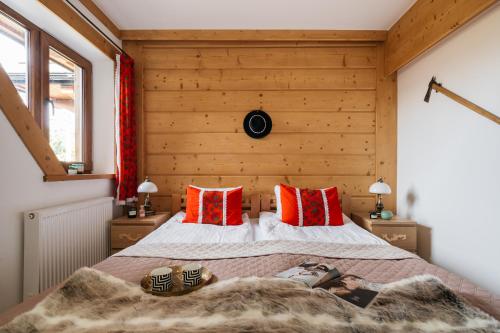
point(99, 14)
point(266, 164)
point(276, 100)
point(289, 143)
point(386, 129)
point(232, 44)
point(26, 127)
point(175, 199)
point(255, 205)
point(268, 57)
point(283, 122)
point(259, 79)
point(362, 204)
point(354, 185)
point(61, 9)
point(265, 202)
point(322, 99)
point(346, 204)
point(255, 35)
point(163, 203)
point(425, 24)
point(134, 50)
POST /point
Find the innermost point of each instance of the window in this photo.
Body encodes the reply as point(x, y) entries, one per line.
point(66, 92)
point(65, 112)
point(20, 37)
point(54, 82)
point(14, 37)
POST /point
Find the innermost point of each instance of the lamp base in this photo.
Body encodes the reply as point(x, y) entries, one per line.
point(379, 207)
point(148, 206)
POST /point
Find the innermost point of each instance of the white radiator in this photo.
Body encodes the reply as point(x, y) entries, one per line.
point(59, 240)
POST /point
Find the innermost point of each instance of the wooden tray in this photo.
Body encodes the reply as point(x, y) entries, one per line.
point(178, 286)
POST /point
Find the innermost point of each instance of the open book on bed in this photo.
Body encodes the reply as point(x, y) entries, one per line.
point(311, 273)
point(350, 288)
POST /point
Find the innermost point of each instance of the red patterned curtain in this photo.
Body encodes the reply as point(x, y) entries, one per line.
point(126, 144)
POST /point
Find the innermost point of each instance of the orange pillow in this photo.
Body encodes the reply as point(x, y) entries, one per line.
point(304, 207)
point(221, 206)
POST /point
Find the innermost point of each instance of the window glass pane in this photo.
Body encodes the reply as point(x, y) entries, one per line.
point(14, 53)
point(65, 110)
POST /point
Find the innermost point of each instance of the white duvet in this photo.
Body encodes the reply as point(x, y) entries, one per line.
point(271, 228)
point(174, 231)
point(268, 227)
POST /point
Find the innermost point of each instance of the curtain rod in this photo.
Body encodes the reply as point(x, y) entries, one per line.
point(95, 27)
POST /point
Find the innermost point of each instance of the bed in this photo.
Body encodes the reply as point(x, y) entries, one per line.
point(266, 247)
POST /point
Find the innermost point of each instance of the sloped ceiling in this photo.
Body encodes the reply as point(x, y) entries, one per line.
point(254, 14)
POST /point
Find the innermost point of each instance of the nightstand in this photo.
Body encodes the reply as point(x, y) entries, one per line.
point(126, 232)
point(398, 231)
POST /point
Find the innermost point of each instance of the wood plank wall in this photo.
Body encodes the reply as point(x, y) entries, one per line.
point(322, 97)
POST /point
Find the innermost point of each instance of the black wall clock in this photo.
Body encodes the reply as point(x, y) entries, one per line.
point(257, 124)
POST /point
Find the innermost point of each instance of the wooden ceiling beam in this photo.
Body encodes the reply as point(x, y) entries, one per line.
point(65, 12)
point(99, 14)
point(24, 124)
point(425, 24)
point(255, 35)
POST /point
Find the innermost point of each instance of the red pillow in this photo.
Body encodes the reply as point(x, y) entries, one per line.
point(304, 207)
point(221, 206)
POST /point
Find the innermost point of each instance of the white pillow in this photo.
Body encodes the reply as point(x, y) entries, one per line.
point(277, 193)
point(174, 231)
point(272, 228)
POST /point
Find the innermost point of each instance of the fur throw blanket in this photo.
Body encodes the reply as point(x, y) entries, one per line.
point(92, 301)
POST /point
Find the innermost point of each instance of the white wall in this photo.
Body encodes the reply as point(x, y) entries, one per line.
point(449, 157)
point(21, 182)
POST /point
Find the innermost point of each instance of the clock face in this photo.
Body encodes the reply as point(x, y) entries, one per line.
point(257, 124)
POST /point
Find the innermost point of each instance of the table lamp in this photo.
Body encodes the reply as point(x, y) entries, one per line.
point(379, 188)
point(147, 187)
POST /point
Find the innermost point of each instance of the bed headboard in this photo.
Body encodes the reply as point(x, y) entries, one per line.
point(268, 203)
point(250, 204)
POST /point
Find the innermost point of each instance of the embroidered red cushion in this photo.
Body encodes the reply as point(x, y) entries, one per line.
point(305, 207)
point(221, 206)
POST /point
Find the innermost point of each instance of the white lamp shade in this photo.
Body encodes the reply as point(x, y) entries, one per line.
point(147, 187)
point(380, 188)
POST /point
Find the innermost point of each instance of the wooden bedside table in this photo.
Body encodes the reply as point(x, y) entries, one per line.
point(126, 232)
point(398, 231)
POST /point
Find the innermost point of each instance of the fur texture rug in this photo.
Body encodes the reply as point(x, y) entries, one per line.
point(92, 301)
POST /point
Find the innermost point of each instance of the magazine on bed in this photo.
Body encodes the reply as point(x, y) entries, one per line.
point(352, 289)
point(311, 273)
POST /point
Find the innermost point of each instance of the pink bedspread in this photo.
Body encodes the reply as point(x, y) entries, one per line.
point(375, 270)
